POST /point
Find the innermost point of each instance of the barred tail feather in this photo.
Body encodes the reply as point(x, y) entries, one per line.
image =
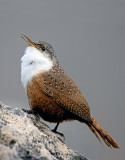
point(97, 129)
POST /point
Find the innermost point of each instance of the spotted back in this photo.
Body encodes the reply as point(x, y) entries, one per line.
point(61, 88)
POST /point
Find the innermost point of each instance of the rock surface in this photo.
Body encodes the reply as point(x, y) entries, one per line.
point(25, 137)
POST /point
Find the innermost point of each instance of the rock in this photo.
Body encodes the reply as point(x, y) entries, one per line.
point(25, 137)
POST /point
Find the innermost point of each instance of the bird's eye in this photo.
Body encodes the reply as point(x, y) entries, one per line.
point(43, 48)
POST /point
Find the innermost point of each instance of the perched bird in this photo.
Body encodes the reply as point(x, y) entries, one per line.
point(52, 93)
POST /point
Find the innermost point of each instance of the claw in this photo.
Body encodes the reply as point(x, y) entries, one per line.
point(55, 131)
point(61, 134)
point(28, 111)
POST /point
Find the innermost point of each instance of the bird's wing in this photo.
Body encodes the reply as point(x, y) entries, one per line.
point(61, 88)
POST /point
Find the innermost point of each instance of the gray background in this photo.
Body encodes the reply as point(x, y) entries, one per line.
point(89, 40)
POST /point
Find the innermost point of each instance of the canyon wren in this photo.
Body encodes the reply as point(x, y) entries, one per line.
point(52, 93)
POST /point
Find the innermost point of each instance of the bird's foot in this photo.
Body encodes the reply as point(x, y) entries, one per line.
point(28, 111)
point(32, 112)
point(61, 135)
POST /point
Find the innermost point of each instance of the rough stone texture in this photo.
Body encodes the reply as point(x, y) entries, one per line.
point(26, 137)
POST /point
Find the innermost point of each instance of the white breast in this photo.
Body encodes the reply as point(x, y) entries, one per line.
point(32, 63)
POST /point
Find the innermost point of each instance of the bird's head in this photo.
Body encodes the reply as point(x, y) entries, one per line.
point(43, 47)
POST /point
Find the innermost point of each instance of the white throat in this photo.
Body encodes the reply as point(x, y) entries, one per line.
point(32, 63)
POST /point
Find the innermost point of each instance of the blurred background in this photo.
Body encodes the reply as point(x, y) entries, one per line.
point(89, 40)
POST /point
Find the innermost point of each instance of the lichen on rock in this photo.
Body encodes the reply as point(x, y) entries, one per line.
point(25, 137)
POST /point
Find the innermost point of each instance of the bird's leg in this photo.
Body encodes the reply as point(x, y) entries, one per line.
point(55, 131)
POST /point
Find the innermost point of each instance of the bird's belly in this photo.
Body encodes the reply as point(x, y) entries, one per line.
point(44, 105)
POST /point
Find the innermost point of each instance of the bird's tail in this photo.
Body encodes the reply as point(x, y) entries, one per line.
point(98, 130)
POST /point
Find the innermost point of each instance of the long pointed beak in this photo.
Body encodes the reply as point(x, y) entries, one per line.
point(28, 40)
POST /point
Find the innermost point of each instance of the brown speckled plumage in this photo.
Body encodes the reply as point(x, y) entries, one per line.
point(54, 91)
point(54, 95)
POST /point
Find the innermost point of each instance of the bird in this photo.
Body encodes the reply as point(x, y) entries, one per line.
point(52, 93)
